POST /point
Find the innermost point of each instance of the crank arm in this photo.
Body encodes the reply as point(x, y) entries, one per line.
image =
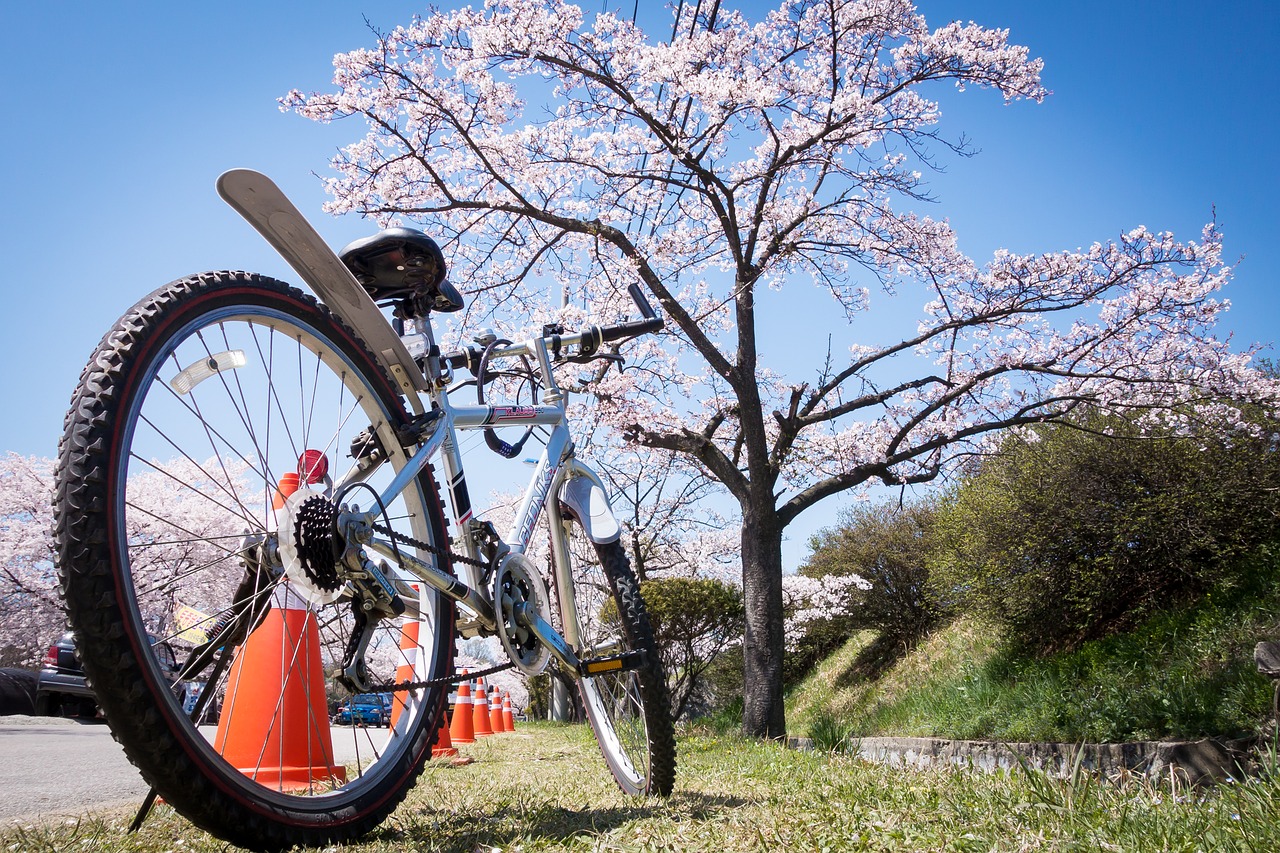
point(447, 584)
point(527, 616)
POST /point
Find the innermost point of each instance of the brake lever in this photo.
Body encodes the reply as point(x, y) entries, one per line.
point(606, 356)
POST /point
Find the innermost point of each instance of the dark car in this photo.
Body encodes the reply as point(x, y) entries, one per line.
point(61, 687)
point(364, 709)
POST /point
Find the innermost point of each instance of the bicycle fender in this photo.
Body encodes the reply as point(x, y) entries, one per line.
point(265, 206)
point(585, 497)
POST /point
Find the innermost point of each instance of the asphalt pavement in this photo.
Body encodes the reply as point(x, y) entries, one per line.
point(56, 767)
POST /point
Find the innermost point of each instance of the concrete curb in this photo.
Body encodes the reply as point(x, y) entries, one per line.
point(1189, 761)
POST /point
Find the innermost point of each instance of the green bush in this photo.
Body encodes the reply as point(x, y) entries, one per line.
point(1075, 532)
point(694, 621)
point(889, 545)
point(1183, 673)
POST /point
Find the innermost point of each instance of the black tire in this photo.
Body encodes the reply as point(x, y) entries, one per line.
point(629, 712)
point(115, 545)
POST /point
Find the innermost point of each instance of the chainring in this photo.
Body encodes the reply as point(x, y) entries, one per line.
point(516, 582)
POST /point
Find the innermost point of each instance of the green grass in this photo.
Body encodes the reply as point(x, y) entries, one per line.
point(1182, 674)
point(546, 789)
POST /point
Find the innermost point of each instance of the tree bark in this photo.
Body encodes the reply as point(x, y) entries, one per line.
point(763, 715)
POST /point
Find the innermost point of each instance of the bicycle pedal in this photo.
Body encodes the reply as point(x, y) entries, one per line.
point(624, 662)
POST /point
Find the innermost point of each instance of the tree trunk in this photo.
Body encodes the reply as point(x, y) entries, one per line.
point(763, 715)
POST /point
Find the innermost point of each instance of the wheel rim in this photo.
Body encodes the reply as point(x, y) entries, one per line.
point(200, 460)
point(613, 706)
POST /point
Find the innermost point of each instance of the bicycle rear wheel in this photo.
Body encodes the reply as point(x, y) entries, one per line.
point(602, 614)
point(184, 425)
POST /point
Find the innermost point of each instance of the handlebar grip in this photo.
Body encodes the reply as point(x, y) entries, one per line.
point(461, 358)
point(652, 322)
point(631, 329)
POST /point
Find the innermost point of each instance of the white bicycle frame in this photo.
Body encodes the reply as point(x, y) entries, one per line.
point(558, 477)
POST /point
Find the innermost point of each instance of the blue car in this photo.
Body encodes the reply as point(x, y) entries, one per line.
point(364, 709)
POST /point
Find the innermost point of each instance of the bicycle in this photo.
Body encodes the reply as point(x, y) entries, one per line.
point(177, 520)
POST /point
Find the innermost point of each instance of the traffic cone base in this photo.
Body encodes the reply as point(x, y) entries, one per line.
point(444, 747)
point(279, 737)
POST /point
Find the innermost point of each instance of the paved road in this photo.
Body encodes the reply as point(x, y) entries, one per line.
point(60, 767)
point(56, 768)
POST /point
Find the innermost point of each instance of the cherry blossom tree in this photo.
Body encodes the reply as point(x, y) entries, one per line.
point(669, 526)
point(734, 159)
point(30, 610)
point(808, 600)
point(174, 527)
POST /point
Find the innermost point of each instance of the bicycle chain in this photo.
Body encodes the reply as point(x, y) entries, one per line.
point(402, 539)
point(397, 686)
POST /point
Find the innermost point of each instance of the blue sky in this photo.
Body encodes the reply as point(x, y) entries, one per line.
point(118, 119)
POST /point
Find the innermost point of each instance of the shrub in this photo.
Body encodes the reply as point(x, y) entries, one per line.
point(889, 546)
point(1075, 532)
point(694, 621)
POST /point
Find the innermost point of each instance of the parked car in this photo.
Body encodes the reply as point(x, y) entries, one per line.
point(365, 709)
point(61, 688)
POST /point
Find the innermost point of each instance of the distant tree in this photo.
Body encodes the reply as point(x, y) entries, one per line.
point(735, 158)
point(694, 621)
point(820, 617)
point(1073, 532)
point(890, 546)
point(32, 615)
point(670, 527)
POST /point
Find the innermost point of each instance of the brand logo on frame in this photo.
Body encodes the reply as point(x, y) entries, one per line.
point(514, 413)
point(535, 505)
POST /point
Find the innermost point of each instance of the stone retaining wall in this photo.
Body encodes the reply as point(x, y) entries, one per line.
point(1191, 761)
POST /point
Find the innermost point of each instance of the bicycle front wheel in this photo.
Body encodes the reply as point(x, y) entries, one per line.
point(208, 402)
point(603, 614)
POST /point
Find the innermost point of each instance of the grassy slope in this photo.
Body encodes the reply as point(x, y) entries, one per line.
point(1181, 674)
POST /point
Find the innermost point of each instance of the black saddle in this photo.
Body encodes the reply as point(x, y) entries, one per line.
point(403, 263)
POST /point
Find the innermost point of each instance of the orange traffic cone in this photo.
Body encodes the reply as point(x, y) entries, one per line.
point(462, 729)
point(408, 671)
point(276, 729)
point(288, 485)
point(495, 714)
point(508, 718)
point(408, 661)
point(480, 707)
point(444, 747)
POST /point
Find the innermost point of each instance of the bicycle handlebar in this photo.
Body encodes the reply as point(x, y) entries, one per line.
point(634, 328)
point(588, 339)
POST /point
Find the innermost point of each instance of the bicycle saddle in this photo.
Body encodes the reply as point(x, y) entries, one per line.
point(401, 263)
